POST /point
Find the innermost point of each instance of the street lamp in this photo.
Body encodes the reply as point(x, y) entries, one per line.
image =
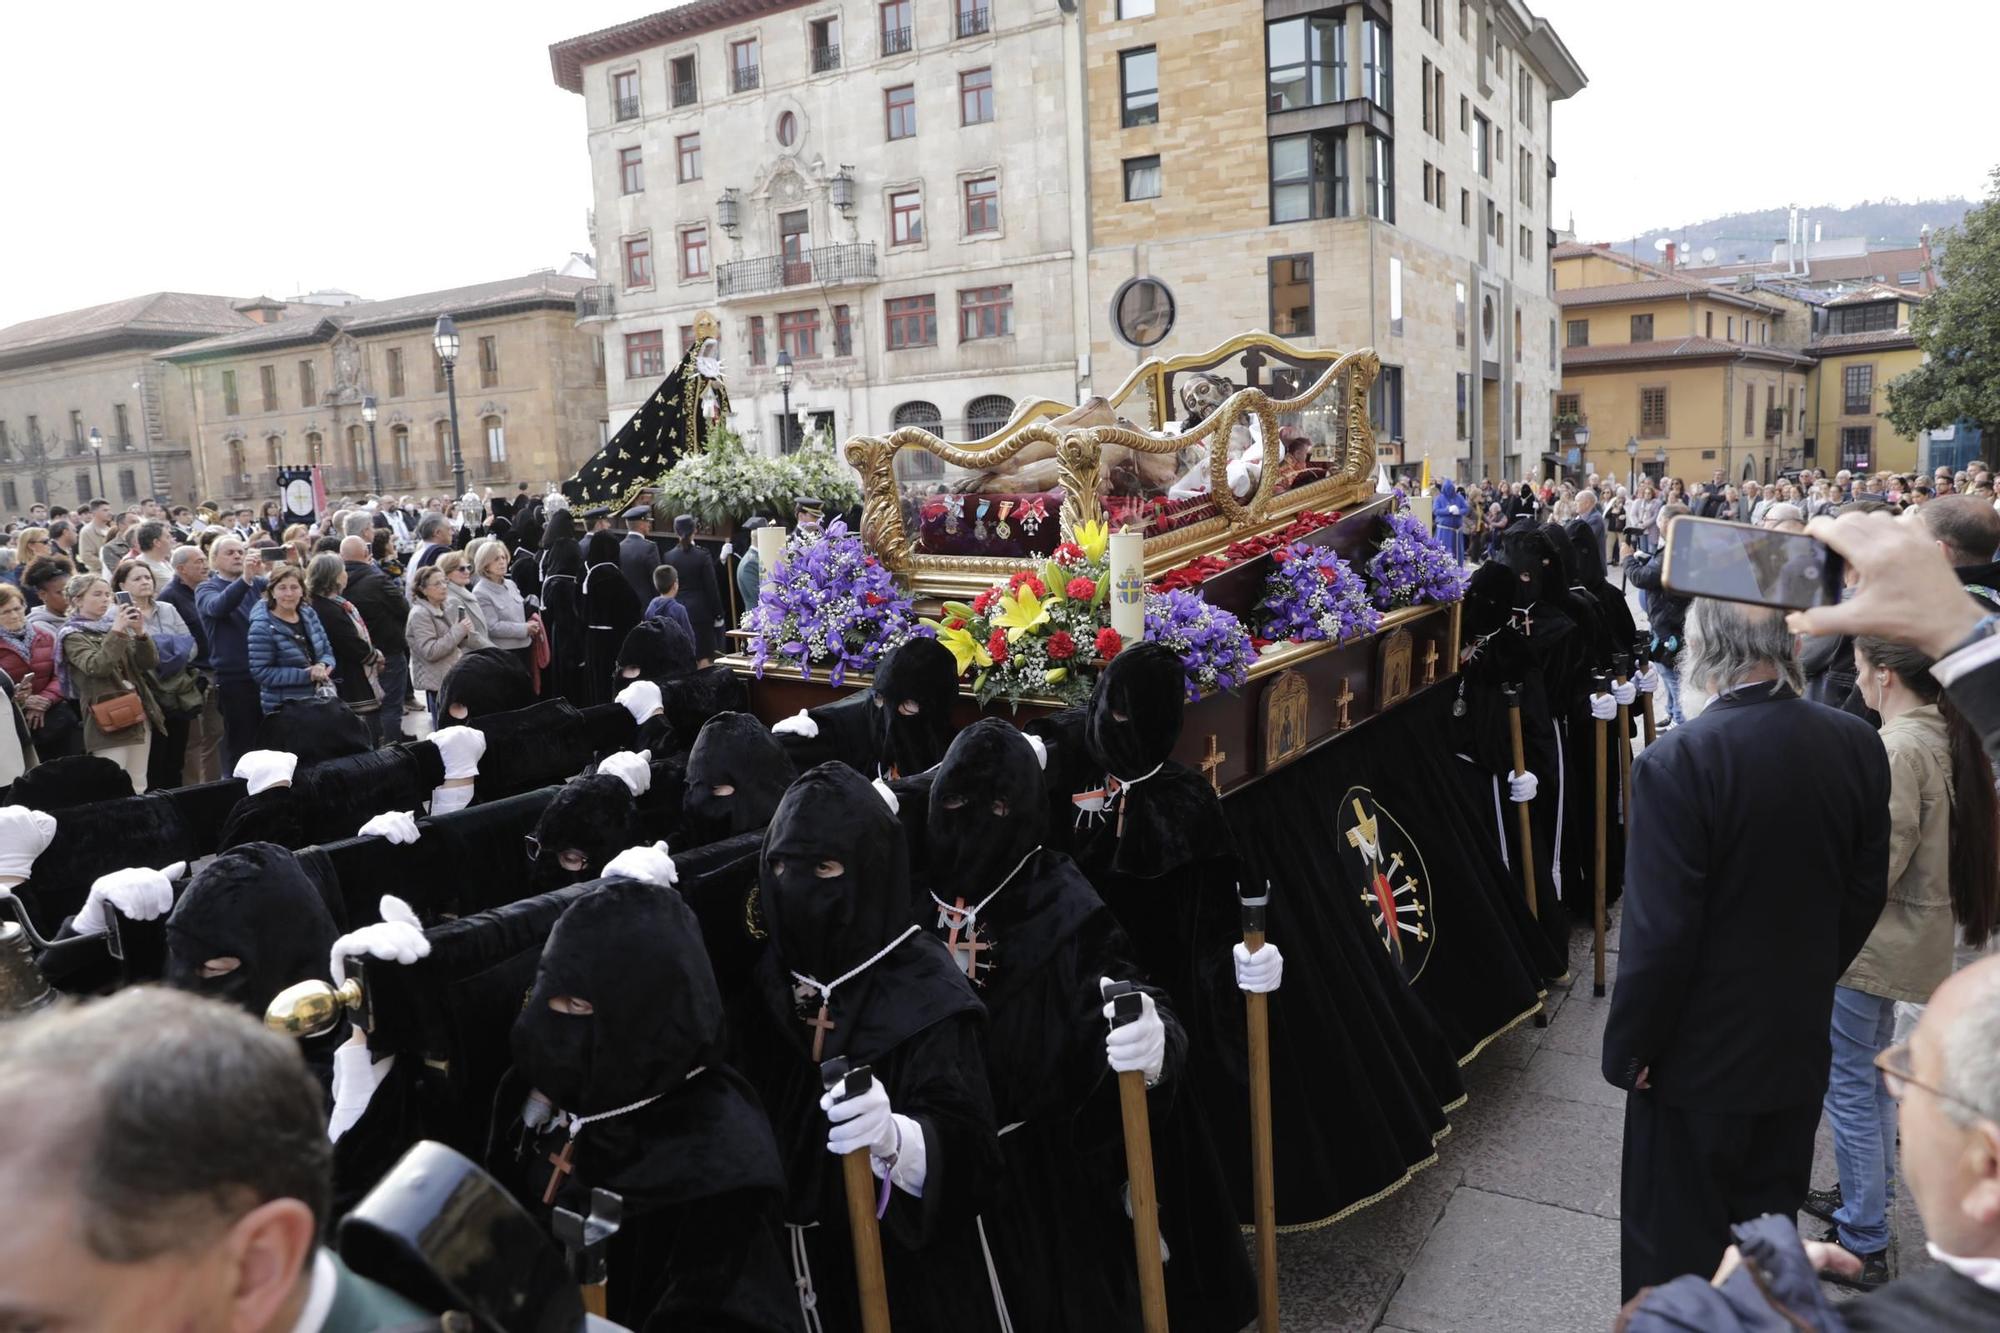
point(445, 339)
point(368, 414)
point(1632, 466)
point(785, 385)
point(97, 448)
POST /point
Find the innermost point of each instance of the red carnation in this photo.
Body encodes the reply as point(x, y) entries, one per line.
point(1069, 553)
point(996, 645)
point(954, 623)
point(876, 599)
point(982, 602)
point(1061, 646)
point(1016, 579)
point(1080, 590)
point(1037, 587)
point(1108, 644)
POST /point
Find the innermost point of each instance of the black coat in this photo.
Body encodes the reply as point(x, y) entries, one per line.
point(638, 557)
point(382, 605)
point(350, 652)
point(700, 593)
point(1733, 940)
point(1666, 611)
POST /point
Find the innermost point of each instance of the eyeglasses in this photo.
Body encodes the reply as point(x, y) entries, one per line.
point(1894, 1062)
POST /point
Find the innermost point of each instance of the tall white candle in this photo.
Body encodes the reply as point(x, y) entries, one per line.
point(770, 543)
point(1127, 563)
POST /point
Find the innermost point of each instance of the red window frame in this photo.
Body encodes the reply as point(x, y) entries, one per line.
point(645, 354)
point(906, 217)
point(982, 205)
point(988, 312)
point(638, 252)
point(911, 321)
point(975, 96)
point(899, 106)
point(798, 333)
point(694, 252)
point(756, 340)
point(631, 171)
point(687, 156)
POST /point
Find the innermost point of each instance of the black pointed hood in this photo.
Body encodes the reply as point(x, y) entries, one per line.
point(1134, 716)
point(1586, 550)
point(988, 810)
point(655, 650)
point(737, 752)
point(255, 904)
point(594, 815)
point(915, 687)
point(484, 681)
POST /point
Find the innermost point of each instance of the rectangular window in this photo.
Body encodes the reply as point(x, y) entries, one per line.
point(1306, 62)
point(1857, 446)
point(985, 312)
point(1653, 414)
point(825, 44)
point(1135, 9)
point(896, 31)
point(1527, 242)
point(1465, 208)
point(1579, 333)
point(1465, 115)
point(798, 333)
point(899, 109)
point(1642, 328)
point(744, 73)
point(694, 252)
point(10, 495)
point(687, 153)
point(756, 340)
point(638, 261)
point(1440, 190)
point(1395, 297)
point(1870, 318)
point(1749, 409)
point(1437, 100)
point(1520, 399)
point(1381, 178)
point(912, 321)
point(229, 404)
point(1291, 281)
point(1464, 406)
point(1527, 171)
point(982, 206)
point(1458, 311)
point(1430, 112)
point(843, 331)
point(1524, 104)
point(795, 246)
point(83, 491)
point(625, 94)
point(1139, 86)
point(681, 70)
point(645, 354)
point(1309, 176)
point(395, 357)
point(631, 171)
point(1377, 67)
point(596, 365)
point(1385, 404)
point(267, 377)
point(1142, 178)
point(308, 385)
point(1482, 145)
point(1708, 324)
point(1857, 391)
point(1731, 329)
point(489, 362)
point(975, 96)
point(972, 17)
point(906, 217)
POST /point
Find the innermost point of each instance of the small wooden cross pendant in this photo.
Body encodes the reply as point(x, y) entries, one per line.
point(1211, 764)
point(1431, 663)
point(561, 1162)
point(821, 1024)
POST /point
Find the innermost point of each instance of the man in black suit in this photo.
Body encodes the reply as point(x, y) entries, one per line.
point(700, 592)
point(638, 553)
point(386, 612)
point(1732, 944)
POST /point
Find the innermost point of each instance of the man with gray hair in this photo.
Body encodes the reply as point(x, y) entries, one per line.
point(1732, 942)
point(434, 539)
point(177, 1159)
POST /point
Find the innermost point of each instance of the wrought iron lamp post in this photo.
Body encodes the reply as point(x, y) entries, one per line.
point(785, 386)
point(368, 415)
point(445, 339)
point(97, 448)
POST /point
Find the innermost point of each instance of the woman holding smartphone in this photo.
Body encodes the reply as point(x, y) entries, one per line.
point(173, 680)
point(438, 631)
point(103, 656)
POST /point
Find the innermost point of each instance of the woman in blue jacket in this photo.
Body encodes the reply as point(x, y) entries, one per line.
point(290, 656)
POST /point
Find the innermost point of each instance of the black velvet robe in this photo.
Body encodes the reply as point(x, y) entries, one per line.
point(609, 612)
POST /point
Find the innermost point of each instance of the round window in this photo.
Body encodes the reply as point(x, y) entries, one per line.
point(1143, 311)
point(1486, 318)
point(788, 129)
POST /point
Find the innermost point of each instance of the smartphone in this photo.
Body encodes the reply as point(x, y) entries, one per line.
point(1733, 562)
point(123, 598)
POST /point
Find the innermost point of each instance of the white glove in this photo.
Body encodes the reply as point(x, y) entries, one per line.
point(888, 795)
point(1647, 680)
point(142, 894)
point(444, 800)
point(802, 725)
point(1625, 693)
point(1603, 707)
point(262, 770)
point(860, 1122)
point(461, 748)
point(631, 769)
point(641, 699)
point(1039, 746)
point(396, 938)
point(648, 865)
point(1259, 973)
point(1139, 1046)
point(355, 1078)
point(24, 835)
point(728, 549)
point(397, 826)
point(1521, 787)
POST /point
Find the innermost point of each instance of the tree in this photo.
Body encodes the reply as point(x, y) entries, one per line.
point(1958, 328)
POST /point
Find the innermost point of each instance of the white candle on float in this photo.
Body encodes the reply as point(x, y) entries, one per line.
point(770, 543)
point(1126, 566)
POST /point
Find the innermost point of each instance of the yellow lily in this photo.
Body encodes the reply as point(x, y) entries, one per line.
point(1094, 537)
point(1019, 612)
point(965, 650)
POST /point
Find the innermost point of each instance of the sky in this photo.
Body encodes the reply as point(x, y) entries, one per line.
point(394, 148)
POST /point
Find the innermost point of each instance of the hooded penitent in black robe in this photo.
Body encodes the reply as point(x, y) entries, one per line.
point(655, 650)
point(1036, 939)
point(736, 775)
point(662, 652)
point(899, 726)
point(591, 820)
point(701, 1243)
point(1618, 634)
point(610, 610)
point(835, 894)
point(482, 682)
point(1159, 853)
point(562, 610)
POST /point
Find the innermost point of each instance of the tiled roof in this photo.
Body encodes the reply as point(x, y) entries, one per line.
point(1883, 339)
point(1654, 289)
point(376, 316)
point(1668, 349)
point(568, 57)
point(158, 314)
point(1877, 291)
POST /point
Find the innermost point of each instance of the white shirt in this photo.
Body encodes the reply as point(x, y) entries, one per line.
point(1981, 1269)
point(319, 1300)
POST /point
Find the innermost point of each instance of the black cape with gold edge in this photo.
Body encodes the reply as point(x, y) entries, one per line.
point(668, 425)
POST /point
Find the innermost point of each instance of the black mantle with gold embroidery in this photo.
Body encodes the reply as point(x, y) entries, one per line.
point(668, 425)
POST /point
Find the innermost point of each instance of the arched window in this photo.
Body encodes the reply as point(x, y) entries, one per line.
point(919, 414)
point(275, 448)
point(916, 464)
point(987, 414)
point(496, 439)
point(314, 447)
point(443, 434)
point(399, 449)
point(239, 475)
point(357, 449)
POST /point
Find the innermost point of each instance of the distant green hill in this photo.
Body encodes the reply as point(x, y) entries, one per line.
point(1887, 223)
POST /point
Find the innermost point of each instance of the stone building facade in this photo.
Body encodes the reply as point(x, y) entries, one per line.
point(530, 393)
point(884, 192)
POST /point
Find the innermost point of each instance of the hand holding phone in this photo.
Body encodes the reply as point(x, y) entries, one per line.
point(1733, 562)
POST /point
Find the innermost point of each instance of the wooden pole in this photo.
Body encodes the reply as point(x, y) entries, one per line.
point(1512, 694)
point(1621, 666)
point(1647, 720)
point(860, 1181)
point(1139, 1173)
point(1598, 685)
point(1256, 1008)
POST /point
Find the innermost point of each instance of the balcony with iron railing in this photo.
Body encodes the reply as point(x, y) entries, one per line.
point(897, 41)
point(685, 92)
point(824, 266)
point(599, 301)
point(743, 78)
point(826, 57)
point(626, 108)
point(974, 22)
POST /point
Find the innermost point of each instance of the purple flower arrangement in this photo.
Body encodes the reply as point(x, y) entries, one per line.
point(1212, 644)
point(1315, 595)
point(1412, 567)
point(828, 603)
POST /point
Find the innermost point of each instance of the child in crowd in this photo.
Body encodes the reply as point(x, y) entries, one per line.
point(667, 582)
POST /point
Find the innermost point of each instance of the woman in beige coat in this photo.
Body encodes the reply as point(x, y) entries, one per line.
point(439, 633)
point(103, 652)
